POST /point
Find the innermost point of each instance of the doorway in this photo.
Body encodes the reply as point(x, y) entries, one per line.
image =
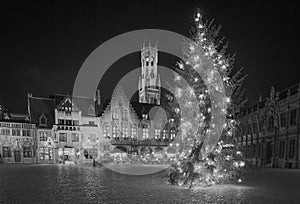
point(17, 155)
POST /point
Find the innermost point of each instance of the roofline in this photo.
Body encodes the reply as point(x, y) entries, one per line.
point(286, 89)
point(41, 98)
point(71, 96)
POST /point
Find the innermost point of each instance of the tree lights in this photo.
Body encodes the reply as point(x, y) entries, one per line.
point(209, 97)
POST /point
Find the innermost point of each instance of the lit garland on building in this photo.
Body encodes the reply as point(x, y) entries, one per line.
point(209, 95)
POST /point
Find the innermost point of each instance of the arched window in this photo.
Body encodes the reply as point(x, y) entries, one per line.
point(124, 114)
point(115, 115)
point(114, 131)
point(91, 110)
point(43, 120)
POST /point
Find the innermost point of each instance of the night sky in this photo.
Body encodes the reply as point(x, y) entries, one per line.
point(44, 43)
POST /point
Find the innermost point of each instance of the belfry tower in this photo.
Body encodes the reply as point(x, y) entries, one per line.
point(149, 81)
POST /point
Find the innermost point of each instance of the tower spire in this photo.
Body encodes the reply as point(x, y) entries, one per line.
point(149, 81)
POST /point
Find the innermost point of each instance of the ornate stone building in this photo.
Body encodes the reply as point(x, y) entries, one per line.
point(269, 130)
point(17, 138)
point(143, 125)
point(67, 128)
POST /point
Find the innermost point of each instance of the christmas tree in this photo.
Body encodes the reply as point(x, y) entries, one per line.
point(209, 95)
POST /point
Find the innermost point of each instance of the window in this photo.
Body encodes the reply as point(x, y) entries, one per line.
point(283, 119)
point(91, 123)
point(61, 122)
point(27, 152)
point(260, 126)
point(145, 133)
point(254, 127)
point(6, 152)
point(114, 131)
point(43, 120)
point(172, 134)
point(281, 149)
point(164, 134)
point(292, 149)
point(271, 122)
point(75, 122)
point(293, 117)
point(5, 132)
point(68, 122)
point(43, 136)
point(90, 153)
point(124, 115)
point(124, 130)
point(157, 133)
point(106, 131)
point(45, 153)
point(145, 116)
point(133, 132)
point(63, 137)
point(75, 137)
point(115, 115)
point(91, 110)
point(254, 150)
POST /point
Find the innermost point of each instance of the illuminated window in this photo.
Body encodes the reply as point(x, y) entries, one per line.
point(106, 131)
point(133, 132)
point(27, 151)
point(6, 151)
point(115, 115)
point(124, 130)
point(164, 134)
point(157, 133)
point(124, 115)
point(43, 136)
point(114, 131)
point(63, 137)
point(145, 133)
point(172, 134)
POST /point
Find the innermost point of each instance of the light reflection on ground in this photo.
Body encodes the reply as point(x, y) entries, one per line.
point(85, 184)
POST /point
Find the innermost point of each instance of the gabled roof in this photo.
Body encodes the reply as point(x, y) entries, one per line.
point(83, 103)
point(145, 108)
point(16, 117)
point(41, 107)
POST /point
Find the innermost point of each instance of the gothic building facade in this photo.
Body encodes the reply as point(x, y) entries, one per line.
point(63, 128)
point(133, 125)
point(67, 128)
point(17, 138)
point(269, 131)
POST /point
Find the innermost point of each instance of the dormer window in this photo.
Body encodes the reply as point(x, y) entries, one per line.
point(43, 120)
point(91, 110)
point(145, 116)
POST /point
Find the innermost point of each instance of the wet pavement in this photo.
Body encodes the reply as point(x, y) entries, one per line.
point(84, 184)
